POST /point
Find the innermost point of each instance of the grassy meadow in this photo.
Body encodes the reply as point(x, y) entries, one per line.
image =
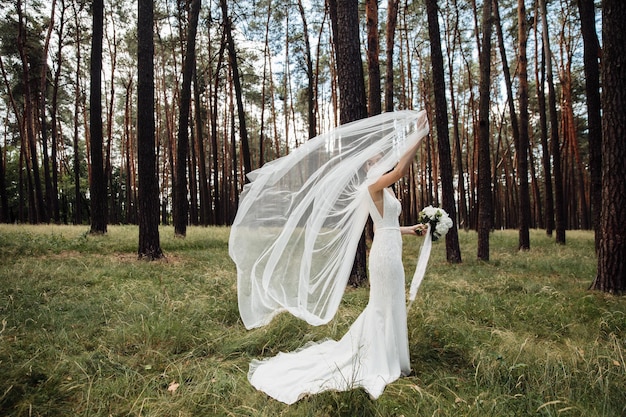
point(86, 329)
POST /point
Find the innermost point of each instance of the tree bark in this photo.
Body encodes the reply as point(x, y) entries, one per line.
point(78, 218)
point(203, 183)
point(352, 99)
point(522, 143)
point(559, 206)
point(37, 207)
point(485, 204)
point(373, 65)
point(149, 243)
point(392, 21)
point(4, 198)
point(56, 214)
point(310, 89)
point(181, 202)
point(49, 195)
point(612, 253)
point(591, 50)
point(218, 195)
point(540, 74)
point(232, 54)
point(98, 185)
point(453, 251)
point(458, 150)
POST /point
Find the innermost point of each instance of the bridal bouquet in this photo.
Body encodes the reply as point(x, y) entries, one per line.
point(438, 220)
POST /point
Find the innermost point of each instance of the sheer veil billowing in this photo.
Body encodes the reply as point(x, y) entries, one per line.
point(301, 216)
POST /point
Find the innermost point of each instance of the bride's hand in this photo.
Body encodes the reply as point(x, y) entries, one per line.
point(418, 229)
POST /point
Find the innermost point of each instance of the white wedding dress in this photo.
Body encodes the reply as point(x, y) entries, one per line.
point(375, 350)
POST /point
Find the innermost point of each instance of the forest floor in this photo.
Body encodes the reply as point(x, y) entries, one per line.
point(86, 329)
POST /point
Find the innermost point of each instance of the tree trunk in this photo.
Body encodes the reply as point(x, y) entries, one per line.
point(149, 243)
point(612, 254)
point(113, 186)
point(373, 66)
point(559, 206)
point(392, 20)
point(129, 155)
point(485, 204)
point(453, 251)
point(545, 150)
point(49, 197)
point(218, 194)
point(458, 150)
point(310, 92)
point(38, 206)
point(98, 185)
point(352, 98)
point(594, 119)
point(4, 198)
point(232, 54)
point(522, 143)
point(203, 183)
point(181, 208)
point(56, 214)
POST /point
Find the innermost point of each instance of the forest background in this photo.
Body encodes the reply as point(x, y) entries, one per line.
point(512, 90)
point(240, 83)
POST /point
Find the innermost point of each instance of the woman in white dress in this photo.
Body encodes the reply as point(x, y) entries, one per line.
point(375, 350)
point(293, 241)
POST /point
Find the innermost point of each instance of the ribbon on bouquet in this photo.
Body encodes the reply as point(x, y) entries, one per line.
point(420, 268)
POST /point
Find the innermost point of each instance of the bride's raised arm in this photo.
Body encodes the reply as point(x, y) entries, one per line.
point(397, 172)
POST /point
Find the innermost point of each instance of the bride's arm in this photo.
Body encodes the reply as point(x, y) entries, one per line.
point(415, 230)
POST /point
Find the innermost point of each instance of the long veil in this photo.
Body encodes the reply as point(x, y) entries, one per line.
point(301, 216)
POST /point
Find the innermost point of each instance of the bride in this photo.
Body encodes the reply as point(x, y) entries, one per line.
point(302, 251)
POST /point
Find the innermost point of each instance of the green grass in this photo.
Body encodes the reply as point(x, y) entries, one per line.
point(88, 330)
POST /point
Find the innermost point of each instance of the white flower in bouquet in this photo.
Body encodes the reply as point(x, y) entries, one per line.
point(438, 219)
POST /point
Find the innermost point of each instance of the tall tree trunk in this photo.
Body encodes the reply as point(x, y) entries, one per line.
point(265, 80)
point(392, 21)
point(218, 194)
point(310, 92)
point(559, 205)
point(49, 197)
point(114, 198)
point(4, 198)
point(234, 202)
point(20, 124)
point(181, 208)
point(56, 214)
point(458, 150)
point(373, 66)
point(129, 155)
point(38, 207)
point(485, 204)
point(507, 74)
point(232, 54)
point(98, 185)
point(203, 184)
point(78, 218)
point(594, 119)
point(351, 82)
point(453, 250)
point(540, 72)
point(612, 254)
point(192, 169)
point(149, 243)
point(350, 77)
point(522, 143)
